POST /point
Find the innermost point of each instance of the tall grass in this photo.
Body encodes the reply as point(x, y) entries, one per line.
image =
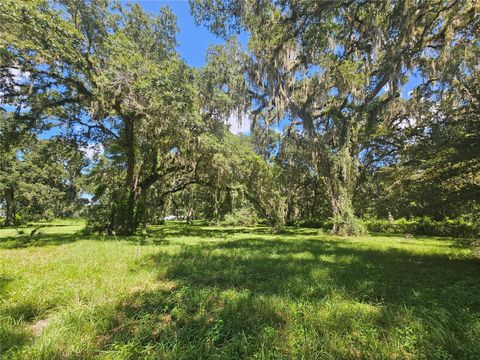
point(193, 292)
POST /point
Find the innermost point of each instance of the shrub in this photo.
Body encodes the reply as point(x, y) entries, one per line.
point(347, 225)
point(425, 226)
point(240, 217)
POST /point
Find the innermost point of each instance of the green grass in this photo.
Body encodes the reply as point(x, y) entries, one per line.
point(193, 292)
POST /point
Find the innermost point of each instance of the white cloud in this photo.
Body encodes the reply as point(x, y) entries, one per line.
point(408, 122)
point(386, 88)
point(92, 150)
point(18, 77)
point(239, 124)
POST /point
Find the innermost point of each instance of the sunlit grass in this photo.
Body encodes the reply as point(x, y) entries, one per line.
point(192, 292)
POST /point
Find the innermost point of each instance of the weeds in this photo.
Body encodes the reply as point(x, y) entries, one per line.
point(194, 292)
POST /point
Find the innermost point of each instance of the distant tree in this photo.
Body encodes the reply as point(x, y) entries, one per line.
point(10, 139)
point(332, 67)
point(236, 175)
point(38, 178)
point(424, 159)
point(49, 183)
point(113, 71)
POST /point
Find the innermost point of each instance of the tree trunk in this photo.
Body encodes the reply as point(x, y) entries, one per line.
point(190, 207)
point(340, 190)
point(289, 213)
point(313, 208)
point(227, 204)
point(216, 201)
point(340, 209)
point(130, 185)
point(337, 171)
point(10, 206)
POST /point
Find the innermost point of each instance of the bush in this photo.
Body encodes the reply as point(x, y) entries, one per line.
point(19, 220)
point(347, 225)
point(425, 226)
point(240, 217)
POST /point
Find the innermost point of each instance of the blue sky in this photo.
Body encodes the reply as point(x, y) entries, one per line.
point(193, 41)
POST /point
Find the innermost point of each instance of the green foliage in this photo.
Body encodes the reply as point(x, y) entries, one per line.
point(347, 225)
point(334, 73)
point(234, 177)
point(39, 179)
point(459, 228)
point(308, 223)
point(113, 73)
point(240, 217)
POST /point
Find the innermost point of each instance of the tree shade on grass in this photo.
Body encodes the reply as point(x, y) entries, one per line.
point(190, 292)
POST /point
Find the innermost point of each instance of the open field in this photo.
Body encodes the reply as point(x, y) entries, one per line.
point(193, 292)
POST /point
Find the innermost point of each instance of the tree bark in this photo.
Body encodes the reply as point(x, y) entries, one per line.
point(9, 195)
point(337, 171)
point(130, 220)
point(340, 186)
point(313, 208)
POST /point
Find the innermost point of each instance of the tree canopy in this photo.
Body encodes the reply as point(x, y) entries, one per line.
point(334, 136)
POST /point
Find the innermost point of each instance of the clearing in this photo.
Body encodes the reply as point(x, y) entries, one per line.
point(192, 292)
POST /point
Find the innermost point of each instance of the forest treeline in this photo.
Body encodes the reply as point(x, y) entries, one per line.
point(359, 111)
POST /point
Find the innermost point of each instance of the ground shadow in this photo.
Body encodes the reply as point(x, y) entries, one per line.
point(271, 267)
point(10, 338)
point(16, 242)
point(188, 323)
point(203, 231)
point(13, 334)
point(226, 296)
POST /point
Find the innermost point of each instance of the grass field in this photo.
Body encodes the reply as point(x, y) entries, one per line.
point(193, 292)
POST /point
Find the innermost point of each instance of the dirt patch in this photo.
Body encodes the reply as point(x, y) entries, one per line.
point(38, 327)
point(165, 286)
